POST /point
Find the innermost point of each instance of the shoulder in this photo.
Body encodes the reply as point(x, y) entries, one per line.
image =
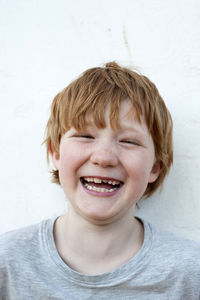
point(175, 251)
point(177, 243)
point(18, 235)
point(20, 243)
point(23, 256)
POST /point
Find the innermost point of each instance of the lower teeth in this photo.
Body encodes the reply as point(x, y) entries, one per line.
point(98, 189)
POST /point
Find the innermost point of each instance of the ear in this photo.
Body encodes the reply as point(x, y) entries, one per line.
point(155, 172)
point(55, 157)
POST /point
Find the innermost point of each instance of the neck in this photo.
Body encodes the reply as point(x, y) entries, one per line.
point(92, 248)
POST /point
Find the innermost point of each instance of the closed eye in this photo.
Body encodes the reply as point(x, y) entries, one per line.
point(132, 142)
point(83, 135)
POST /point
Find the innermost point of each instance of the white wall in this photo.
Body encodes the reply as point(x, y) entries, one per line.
point(44, 44)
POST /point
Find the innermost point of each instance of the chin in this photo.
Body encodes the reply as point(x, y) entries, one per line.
point(97, 217)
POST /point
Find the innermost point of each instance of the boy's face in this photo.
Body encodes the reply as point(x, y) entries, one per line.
point(104, 172)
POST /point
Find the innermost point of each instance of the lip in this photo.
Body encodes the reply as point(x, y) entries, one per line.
point(101, 194)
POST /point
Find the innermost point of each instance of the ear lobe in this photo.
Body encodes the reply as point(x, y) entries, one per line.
point(55, 160)
point(55, 157)
point(155, 172)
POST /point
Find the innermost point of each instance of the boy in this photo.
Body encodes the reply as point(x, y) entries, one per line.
point(109, 136)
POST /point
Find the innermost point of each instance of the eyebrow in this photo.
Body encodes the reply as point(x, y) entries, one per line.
point(132, 129)
point(121, 129)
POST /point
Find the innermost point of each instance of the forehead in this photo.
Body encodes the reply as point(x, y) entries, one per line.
point(102, 111)
point(126, 111)
point(126, 117)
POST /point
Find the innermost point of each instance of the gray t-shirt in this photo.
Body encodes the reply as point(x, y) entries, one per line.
point(166, 267)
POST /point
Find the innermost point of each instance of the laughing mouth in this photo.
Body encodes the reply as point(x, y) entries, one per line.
point(101, 185)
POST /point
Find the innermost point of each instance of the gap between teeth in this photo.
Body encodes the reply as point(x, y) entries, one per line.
point(98, 180)
point(98, 189)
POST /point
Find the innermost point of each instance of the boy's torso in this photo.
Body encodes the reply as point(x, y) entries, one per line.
point(30, 268)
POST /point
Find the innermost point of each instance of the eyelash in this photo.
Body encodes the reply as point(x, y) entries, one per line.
point(83, 136)
point(131, 142)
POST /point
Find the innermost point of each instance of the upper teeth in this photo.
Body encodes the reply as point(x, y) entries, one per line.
point(98, 180)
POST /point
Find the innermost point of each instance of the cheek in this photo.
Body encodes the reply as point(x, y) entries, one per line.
point(139, 166)
point(71, 159)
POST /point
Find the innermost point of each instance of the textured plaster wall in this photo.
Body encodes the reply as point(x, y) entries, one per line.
point(44, 44)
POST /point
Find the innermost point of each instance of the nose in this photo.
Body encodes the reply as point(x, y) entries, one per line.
point(104, 155)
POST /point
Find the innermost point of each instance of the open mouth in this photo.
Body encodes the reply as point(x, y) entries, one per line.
point(101, 185)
